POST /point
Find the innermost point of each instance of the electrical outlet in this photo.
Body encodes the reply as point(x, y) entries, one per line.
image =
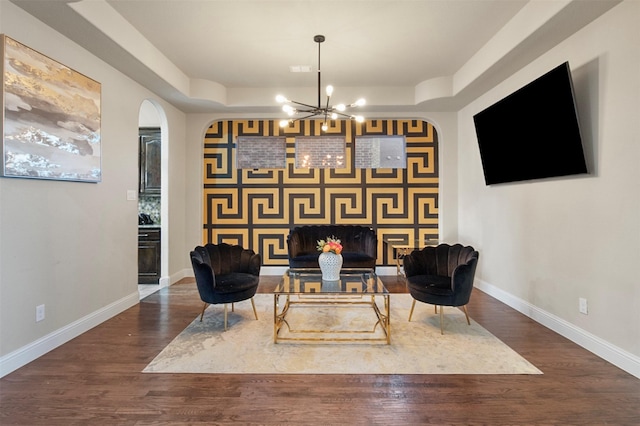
point(39, 313)
point(582, 306)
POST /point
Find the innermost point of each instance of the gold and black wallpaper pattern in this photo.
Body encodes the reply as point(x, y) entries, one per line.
point(256, 207)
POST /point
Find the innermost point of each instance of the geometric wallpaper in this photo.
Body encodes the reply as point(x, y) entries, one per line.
point(256, 207)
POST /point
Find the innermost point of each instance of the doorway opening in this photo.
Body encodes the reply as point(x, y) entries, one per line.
point(150, 199)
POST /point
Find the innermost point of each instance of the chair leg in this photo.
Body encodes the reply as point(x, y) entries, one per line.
point(464, 308)
point(254, 308)
point(413, 305)
point(203, 309)
point(225, 317)
point(441, 319)
point(233, 307)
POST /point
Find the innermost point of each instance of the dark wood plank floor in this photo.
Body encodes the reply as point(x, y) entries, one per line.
point(96, 380)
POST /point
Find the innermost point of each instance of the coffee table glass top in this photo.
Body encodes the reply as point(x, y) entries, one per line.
point(309, 281)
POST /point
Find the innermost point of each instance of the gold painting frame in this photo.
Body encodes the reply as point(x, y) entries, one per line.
point(51, 117)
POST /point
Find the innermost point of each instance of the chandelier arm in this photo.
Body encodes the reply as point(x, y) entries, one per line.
point(293, 120)
point(345, 115)
point(305, 105)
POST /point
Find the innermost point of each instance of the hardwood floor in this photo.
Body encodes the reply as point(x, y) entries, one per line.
point(95, 380)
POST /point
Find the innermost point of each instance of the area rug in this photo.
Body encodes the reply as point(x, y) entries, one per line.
point(417, 347)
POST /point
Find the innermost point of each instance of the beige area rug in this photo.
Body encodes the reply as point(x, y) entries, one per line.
point(417, 347)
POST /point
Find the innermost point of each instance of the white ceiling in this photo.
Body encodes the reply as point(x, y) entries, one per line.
point(234, 55)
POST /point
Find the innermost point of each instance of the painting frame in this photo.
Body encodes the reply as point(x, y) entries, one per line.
point(51, 118)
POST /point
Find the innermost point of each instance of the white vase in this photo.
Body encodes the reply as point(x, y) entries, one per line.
point(330, 265)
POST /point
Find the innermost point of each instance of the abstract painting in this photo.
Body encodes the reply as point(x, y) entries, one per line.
point(51, 118)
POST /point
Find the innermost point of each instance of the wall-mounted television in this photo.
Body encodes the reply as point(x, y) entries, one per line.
point(533, 133)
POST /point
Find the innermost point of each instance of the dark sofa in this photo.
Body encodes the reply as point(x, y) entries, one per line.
point(359, 245)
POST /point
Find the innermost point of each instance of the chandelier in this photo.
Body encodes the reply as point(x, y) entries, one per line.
point(293, 108)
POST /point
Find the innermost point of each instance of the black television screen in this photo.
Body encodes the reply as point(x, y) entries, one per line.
point(533, 133)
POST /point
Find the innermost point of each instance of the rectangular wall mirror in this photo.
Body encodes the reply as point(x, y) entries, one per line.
point(380, 152)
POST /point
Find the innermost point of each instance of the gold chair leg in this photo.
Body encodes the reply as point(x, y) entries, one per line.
point(464, 308)
point(441, 319)
point(254, 308)
point(412, 306)
point(203, 309)
point(225, 317)
point(233, 307)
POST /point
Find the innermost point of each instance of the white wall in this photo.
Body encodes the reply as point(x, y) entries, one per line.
point(544, 244)
point(73, 246)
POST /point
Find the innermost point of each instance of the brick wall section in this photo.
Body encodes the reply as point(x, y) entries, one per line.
point(320, 152)
point(367, 153)
point(262, 153)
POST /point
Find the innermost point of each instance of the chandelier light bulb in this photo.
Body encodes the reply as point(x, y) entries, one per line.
point(329, 90)
point(360, 102)
point(324, 127)
point(284, 123)
point(359, 118)
point(341, 107)
point(334, 116)
point(280, 99)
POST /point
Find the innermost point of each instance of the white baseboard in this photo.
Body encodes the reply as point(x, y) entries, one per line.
point(172, 279)
point(605, 350)
point(24, 355)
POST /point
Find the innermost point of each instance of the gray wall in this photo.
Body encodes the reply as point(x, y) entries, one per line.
point(73, 246)
point(545, 244)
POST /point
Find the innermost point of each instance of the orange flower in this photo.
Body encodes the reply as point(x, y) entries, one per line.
point(330, 245)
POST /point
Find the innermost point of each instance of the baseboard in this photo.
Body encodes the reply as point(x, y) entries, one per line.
point(605, 350)
point(172, 279)
point(22, 356)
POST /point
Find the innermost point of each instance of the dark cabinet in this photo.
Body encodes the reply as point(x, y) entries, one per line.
point(150, 165)
point(148, 255)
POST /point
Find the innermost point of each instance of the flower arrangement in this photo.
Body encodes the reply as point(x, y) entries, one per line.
point(330, 245)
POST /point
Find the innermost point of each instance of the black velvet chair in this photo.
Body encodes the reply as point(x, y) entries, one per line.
point(442, 276)
point(225, 274)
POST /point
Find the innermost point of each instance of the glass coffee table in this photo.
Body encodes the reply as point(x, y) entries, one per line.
point(356, 289)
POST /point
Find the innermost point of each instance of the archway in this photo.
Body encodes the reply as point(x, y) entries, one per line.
point(152, 230)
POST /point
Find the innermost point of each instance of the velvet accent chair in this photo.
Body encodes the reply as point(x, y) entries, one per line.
point(225, 274)
point(441, 275)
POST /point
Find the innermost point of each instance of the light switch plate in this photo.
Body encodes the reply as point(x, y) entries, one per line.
point(582, 306)
point(39, 313)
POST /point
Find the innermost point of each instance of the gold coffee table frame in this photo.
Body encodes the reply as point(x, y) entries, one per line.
point(305, 287)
